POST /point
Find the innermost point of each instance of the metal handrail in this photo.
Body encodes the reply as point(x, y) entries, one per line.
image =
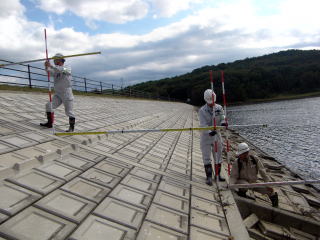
point(81, 84)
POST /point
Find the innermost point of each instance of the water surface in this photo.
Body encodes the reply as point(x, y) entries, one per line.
point(292, 135)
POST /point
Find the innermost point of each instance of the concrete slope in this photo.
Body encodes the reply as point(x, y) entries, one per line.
point(124, 186)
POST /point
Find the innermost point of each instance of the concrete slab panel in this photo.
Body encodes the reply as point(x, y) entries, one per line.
point(6, 130)
point(126, 157)
point(175, 188)
point(5, 147)
point(113, 168)
point(206, 206)
point(157, 154)
point(129, 195)
point(209, 222)
point(111, 144)
point(95, 157)
point(102, 147)
point(15, 198)
point(50, 147)
point(135, 149)
point(101, 177)
point(75, 161)
point(13, 117)
point(3, 217)
point(36, 136)
point(119, 162)
point(101, 229)
point(120, 212)
point(146, 162)
point(172, 201)
point(66, 205)
point(35, 224)
point(37, 181)
point(201, 234)
point(139, 183)
point(86, 189)
point(30, 152)
point(149, 157)
point(18, 141)
point(199, 178)
point(151, 231)
point(132, 154)
point(151, 176)
point(179, 169)
point(168, 218)
point(59, 170)
point(9, 159)
point(204, 193)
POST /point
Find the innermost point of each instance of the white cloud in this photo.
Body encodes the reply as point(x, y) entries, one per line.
point(119, 11)
point(168, 8)
point(232, 30)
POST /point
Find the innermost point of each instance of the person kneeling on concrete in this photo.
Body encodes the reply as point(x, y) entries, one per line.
point(245, 170)
point(63, 91)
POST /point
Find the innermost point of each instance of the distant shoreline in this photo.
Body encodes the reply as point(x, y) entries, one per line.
point(277, 98)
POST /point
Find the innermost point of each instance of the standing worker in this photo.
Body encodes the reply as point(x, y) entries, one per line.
point(63, 91)
point(245, 170)
point(210, 138)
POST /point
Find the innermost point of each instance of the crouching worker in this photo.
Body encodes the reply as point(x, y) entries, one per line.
point(209, 138)
point(245, 170)
point(63, 91)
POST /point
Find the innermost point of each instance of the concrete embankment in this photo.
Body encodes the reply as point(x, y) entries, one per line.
point(133, 186)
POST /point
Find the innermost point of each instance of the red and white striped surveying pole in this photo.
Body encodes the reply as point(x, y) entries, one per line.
point(49, 83)
point(216, 167)
point(226, 120)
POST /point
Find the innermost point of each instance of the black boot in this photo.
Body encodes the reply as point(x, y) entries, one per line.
point(242, 193)
point(218, 168)
point(72, 122)
point(50, 121)
point(274, 200)
point(208, 169)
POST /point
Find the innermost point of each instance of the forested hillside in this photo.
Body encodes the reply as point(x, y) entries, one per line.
point(285, 72)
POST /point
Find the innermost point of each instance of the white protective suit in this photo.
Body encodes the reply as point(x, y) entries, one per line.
point(207, 141)
point(63, 89)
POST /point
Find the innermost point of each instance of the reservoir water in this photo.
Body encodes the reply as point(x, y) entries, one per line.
point(292, 135)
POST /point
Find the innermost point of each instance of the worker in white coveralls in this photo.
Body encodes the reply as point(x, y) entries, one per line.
point(208, 138)
point(245, 170)
point(63, 91)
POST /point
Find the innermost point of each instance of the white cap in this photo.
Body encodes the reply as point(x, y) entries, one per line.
point(208, 96)
point(242, 148)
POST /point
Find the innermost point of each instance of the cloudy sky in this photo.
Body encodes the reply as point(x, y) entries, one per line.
point(144, 40)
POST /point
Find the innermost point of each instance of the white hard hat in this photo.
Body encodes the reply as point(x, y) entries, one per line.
point(59, 55)
point(208, 96)
point(242, 148)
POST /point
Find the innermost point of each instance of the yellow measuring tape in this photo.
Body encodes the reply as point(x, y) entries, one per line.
point(156, 130)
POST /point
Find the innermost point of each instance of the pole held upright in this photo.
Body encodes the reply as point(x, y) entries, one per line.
point(49, 83)
point(226, 121)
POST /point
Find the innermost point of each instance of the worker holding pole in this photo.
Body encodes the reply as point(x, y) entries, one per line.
point(245, 170)
point(211, 141)
point(63, 91)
